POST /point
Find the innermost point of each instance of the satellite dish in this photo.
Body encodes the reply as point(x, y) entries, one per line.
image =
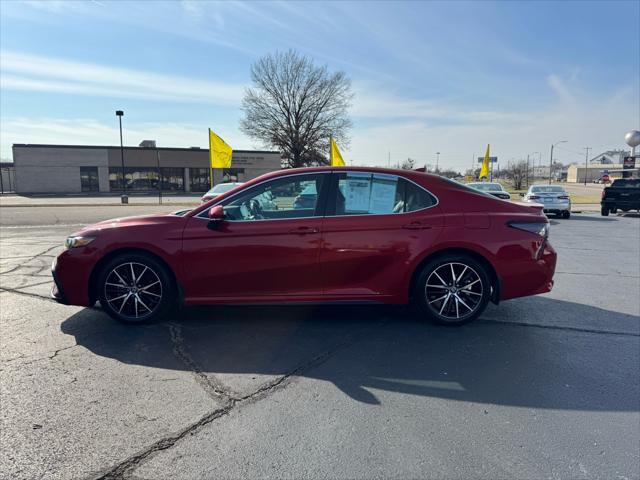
point(632, 138)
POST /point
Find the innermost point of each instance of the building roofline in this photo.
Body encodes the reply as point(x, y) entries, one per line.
point(184, 149)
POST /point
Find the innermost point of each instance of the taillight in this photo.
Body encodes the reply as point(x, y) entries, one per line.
point(602, 194)
point(537, 228)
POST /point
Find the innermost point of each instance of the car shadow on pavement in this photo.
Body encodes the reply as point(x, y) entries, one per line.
point(366, 351)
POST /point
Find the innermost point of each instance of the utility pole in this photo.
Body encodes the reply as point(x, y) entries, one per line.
point(551, 158)
point(437, 161)
point(528, 170)
point(586, 164)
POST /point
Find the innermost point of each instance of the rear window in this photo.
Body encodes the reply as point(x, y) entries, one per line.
point(547, 189)
point(487, 187)
point(626, 182)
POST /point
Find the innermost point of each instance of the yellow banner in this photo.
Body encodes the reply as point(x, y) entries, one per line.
point(336, 157)
point(219, 152)
point(484, 171)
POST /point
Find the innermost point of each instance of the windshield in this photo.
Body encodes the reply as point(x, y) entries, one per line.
point(487, 187)
point(547, 189)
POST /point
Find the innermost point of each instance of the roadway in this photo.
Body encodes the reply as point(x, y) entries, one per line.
point(546, 386)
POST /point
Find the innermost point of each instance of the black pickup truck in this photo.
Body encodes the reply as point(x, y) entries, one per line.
point(623, 194)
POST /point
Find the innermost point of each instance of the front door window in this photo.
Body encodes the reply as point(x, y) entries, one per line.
point(296, 196)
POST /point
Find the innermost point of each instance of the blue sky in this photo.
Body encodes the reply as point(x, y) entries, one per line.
point(427, 76)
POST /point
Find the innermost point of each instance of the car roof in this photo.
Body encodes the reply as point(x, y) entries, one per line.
point(413, 174)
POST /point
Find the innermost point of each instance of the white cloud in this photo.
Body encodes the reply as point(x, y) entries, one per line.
point(22, 71)
point(92, 132)
point(599, 123)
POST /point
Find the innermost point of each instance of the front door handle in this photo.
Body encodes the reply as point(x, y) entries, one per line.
point(304, 230)
point(416, 226)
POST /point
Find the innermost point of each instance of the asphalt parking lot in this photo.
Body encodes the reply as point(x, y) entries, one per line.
point(540, 387)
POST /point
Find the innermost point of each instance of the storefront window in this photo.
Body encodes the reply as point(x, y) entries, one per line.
point(89, 179)
point(137, 179)
point(199, 179)
point(232, 175)
point(145, 179)
point(172, 179)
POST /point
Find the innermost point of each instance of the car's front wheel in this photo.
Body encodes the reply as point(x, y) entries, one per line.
point(135, 288)
point(452, 289)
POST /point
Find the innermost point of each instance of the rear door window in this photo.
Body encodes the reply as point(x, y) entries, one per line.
point(362, 193)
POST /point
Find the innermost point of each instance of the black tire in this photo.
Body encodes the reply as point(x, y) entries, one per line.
point(566, 215)
point(615, 210)
point(147, 299)
point(470, 291)
point(604, 211)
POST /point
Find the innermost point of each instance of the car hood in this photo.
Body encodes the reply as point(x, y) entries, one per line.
point(129, 222)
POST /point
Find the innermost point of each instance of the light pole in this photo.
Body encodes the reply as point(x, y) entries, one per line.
point(119, 114)
point(437, 161)
point(586, 165)
point(551, 157)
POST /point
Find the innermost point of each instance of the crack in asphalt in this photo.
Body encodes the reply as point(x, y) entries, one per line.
point(27, 294)
point(211, 386)
point(123, 469)
point(29, 360)
point(614, 274)
point(560, 327)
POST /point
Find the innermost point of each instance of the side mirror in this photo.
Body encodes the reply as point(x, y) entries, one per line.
point(521, 194)
point(216, 215)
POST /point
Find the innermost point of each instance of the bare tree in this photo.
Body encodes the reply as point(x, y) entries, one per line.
point(296, 106)
point(516, 171)
point(408, 164)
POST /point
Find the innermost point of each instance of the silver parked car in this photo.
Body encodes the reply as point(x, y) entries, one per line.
point(219, 190)
point(491, 188)
point(553, 198)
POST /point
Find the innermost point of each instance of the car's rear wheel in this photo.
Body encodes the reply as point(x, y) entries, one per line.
point(604, 211)
point(135, 288)
point(452, 289)
point(566, 214)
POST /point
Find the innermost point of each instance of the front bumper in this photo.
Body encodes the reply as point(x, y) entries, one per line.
point(71, 272)
point(56, 289)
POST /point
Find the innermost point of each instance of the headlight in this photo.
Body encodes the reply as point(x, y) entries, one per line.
point(75, 242)
point(538, 228)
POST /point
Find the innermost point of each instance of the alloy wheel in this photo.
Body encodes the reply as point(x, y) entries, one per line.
point(133, 290)
point(454, 291)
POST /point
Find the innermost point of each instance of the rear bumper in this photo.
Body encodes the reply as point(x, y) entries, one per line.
point(555, 207)
point(621, 204)
point(531, 277)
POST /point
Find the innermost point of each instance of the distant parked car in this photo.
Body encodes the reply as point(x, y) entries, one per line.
point(553, 198)
point(494, 189)
point(219, 190)
point(623, 194)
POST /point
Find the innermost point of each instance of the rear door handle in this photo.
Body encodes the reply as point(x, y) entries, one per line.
point(416, 226)
point(304, 230)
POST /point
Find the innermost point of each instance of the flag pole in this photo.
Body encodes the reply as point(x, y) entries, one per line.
point(210, 163)
point(331, 150)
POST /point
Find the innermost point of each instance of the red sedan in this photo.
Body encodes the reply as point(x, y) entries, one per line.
point(370, 235)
